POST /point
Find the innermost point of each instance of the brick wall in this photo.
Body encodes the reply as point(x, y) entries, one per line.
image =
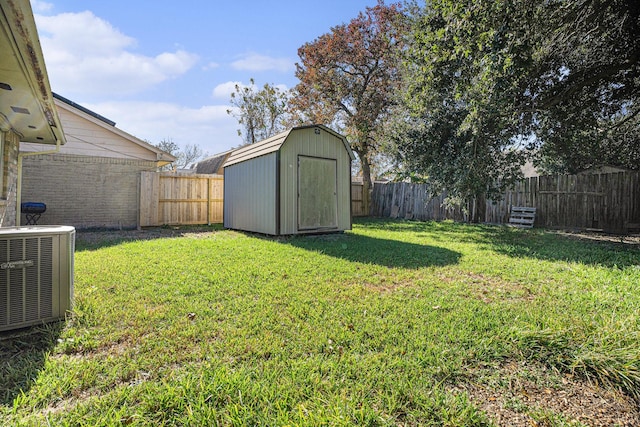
point(9, 179)
point(85, 192)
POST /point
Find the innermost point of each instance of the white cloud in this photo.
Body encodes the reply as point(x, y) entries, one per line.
point(224, 90)
point(209, 126)
point(258, 62)
point(41, 6)
point(87, 55)
point(211, 66)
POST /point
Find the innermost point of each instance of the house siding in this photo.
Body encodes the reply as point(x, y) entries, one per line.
point(85, 192)
point(89, 137)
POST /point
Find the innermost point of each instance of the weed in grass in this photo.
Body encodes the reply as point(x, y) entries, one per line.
point(517, 405)
point(545, 418)
point(602, 362)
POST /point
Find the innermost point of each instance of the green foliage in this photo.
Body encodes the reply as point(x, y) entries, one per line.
point(369, 327)
point(463, 72)
point(587, 83)
point(491, 84)
point(261, 112)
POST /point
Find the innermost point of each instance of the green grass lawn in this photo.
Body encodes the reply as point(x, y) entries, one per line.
point(377, 326)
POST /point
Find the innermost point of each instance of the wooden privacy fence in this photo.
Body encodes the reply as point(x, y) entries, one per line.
point(357, 200)
point(170, 199)
point(411, 201)
point(604, 201)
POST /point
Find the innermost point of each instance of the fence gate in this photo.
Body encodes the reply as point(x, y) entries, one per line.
point(167, 198)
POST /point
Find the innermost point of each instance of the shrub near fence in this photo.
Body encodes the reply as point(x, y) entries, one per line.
point(604, 201)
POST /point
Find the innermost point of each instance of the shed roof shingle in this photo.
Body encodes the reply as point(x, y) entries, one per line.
point(273, 144)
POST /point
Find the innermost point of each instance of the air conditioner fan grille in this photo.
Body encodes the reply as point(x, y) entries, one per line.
point(26, 279)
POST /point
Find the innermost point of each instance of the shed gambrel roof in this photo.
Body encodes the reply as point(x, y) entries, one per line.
point(274, 143)
point(212, 164)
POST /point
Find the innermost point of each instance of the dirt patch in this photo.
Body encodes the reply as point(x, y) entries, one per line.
point(631, 239)
point(100, 237)
point(519, 394)
point(487, 288)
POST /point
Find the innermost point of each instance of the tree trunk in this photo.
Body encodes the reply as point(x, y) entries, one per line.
point(479, 208)
point(366, 183)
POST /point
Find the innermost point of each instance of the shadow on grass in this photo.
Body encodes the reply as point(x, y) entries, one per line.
point(547, 245)
point(371, 250)
point(434, 230)
point(23, 353)
point(89, 240)
point(552, 246)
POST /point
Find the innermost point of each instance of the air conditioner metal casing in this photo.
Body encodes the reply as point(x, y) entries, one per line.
point(36, 274)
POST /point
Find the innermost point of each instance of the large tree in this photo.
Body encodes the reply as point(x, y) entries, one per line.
point(492, 83)
point(260, 112)
point(460, 125)
point(587, 78)
point(348, 77)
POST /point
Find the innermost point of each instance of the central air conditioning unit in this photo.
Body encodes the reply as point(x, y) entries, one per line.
point(36, 274)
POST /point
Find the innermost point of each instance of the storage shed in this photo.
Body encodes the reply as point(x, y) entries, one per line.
point(298, 181)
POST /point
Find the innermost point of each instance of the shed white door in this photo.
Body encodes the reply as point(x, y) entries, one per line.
point(317, 193)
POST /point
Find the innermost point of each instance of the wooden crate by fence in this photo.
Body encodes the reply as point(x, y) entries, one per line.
point(600, 201)
point(167, 198)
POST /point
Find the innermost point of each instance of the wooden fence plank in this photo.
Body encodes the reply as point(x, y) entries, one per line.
point(357, 199)
point(148, 208)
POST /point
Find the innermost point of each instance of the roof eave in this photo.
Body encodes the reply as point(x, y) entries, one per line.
point(97, 119)
point(26, 104)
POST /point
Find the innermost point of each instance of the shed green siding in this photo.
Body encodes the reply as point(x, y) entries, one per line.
point(305, 142)
point(250, 194)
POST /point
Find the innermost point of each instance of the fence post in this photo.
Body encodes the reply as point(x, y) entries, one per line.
point(209, 182)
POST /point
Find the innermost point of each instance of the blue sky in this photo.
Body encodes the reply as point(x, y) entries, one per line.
point(166, 69)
